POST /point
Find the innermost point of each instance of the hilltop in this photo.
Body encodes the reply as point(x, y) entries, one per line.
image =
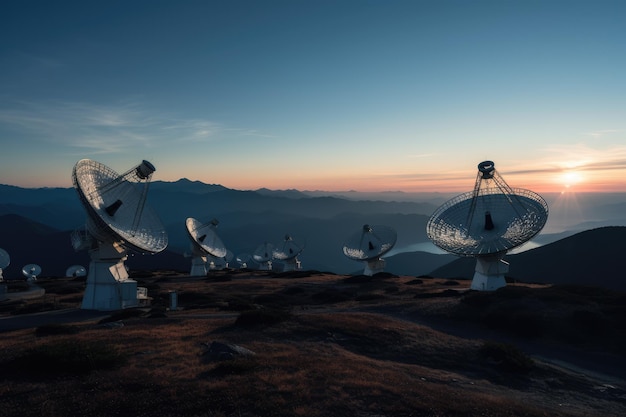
point(314, 344)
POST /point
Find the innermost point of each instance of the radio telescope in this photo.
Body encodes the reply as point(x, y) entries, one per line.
point(263, 256)
point(118, 220)
point(75, 271)
point(206, 245)
point(244, 260)
point(5, 260)
point(31, 272)
point(369, 245)
point(486, 223)
point(288, 254)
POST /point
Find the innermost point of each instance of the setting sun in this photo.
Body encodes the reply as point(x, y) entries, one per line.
point(570, 178)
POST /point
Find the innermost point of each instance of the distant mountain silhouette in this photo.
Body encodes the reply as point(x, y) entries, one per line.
point(592, 257)
point(322, 219)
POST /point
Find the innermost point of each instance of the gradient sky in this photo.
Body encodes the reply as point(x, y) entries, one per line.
point(327, 95)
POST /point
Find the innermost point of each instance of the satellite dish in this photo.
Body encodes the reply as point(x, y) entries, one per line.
point(244, 260)
point(486, 223)
point(206, 246)
point(288, 254)
point(31, 272)
point(5, 260)
point(369, 245)
point(223, 262)
point(118, 220)
point(75, 271)
point(263, 256)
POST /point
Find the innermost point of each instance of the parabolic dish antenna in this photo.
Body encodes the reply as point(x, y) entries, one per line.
point(263, 256)
point(75, 271)
point(31, 272)
point(118, 220)
point(486, 223)
point(288, 254)
point(369, 245)
point(206, 245)
point(5, 260)
point(244, 260)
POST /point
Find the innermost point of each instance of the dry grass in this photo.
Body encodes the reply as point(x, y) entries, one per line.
point(341, 348)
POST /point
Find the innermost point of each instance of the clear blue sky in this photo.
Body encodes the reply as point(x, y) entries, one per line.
point(332, 95)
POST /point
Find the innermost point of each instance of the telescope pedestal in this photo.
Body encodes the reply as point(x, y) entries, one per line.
point(198, 266)
point(489, 273)
point(374, 266)
point(108, 286)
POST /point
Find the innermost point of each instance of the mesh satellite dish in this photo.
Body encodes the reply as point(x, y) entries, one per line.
point(75, 271)
point(263, 256)
point(288, 254)
point(369, 245)
point(31, 272)
point(118, 220)
point(206, 246)
point(486, 223)
point(5, 260)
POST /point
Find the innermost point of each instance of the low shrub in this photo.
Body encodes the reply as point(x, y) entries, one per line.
point(55, 329)
point(252, 318)
point(506, 357)
point(68, 357)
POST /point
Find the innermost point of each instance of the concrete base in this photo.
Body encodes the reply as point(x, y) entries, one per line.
point(198, 266)
point(108, 286)
point(489, 273)
point(292, 265)
point(374, 266)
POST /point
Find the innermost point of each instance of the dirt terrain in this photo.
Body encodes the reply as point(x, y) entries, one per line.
point(316, 344)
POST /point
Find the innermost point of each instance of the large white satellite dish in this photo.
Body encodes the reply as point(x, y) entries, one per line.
point(118, 220)
point(5, 260)
point(263, 256)
point(486, 223)
point(369, 245)
point(288, 254)
point(206, 246)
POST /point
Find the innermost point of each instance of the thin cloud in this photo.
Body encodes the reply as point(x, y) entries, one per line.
point(107, 129)
point(599, 133)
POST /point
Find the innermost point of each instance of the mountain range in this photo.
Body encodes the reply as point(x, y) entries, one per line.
point(35, 224)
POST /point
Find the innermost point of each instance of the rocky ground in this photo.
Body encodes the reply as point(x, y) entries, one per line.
point(243, 343)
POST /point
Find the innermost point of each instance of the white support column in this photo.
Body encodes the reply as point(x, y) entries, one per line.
point(489, 273)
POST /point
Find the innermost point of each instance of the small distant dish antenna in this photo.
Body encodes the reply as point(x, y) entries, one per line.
point(5, 260)
point(263, 256)
point(486, 223)
point(288, 254)
point(206, 246)
point(75, 271)
point(369, 245)
point(244, 260)
point(31, 272)
point(118, 221)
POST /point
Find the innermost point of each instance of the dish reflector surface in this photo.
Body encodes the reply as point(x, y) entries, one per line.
point(116, 207)
point(31, 270)
point(263, 252)
point(489, 220)
point(76, 271)
point(5, 259)
point(289, 250)
point(205, 238)
point(370, 243)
